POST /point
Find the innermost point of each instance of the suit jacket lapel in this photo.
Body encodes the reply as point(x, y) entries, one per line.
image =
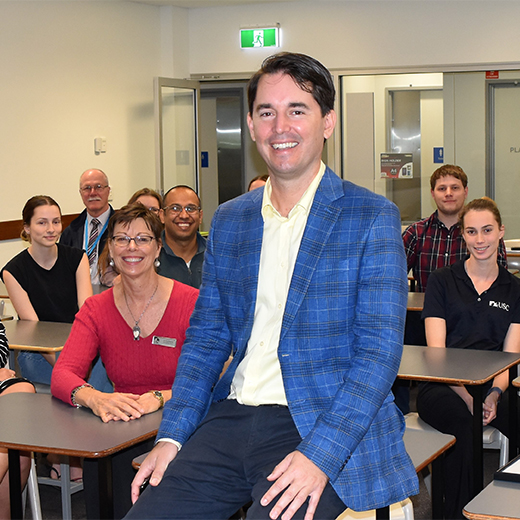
point(250, 237)
point(321, 221)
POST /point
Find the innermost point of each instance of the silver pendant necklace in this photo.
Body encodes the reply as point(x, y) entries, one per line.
point(136, 329)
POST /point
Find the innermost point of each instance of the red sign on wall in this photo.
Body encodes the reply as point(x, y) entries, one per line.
point(492, 74)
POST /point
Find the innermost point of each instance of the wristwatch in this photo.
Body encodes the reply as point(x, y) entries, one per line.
point(158, 395)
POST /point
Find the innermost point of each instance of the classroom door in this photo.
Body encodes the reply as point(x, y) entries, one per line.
point(504, 153)
point(176, 104)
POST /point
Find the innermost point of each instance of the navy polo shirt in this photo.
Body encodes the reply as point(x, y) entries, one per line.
point(476, 321)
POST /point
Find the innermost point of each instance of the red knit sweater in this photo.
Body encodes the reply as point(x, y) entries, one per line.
point(133, 366)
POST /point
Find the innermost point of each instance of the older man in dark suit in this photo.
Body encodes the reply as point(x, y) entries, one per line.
point(89, 230)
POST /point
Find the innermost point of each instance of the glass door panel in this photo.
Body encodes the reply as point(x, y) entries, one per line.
point(176, 118)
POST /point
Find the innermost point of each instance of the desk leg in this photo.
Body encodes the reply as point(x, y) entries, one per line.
point(478, 459)
point(106, 496)
point(15, 487)
point(66, 501)
point(513, 414)
point(383, 513)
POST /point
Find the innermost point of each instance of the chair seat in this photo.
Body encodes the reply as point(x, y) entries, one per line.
point(491, 437)
point(400, 511)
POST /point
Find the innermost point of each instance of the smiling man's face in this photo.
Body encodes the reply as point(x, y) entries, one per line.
point(181, 226)
point(288, 127)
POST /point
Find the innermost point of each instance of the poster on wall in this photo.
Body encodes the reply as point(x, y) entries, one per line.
point(397, 165)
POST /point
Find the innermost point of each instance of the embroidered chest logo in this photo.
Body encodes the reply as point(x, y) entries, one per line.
point(499, 305)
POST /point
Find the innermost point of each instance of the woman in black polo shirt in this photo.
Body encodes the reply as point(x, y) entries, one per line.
point(473, 304)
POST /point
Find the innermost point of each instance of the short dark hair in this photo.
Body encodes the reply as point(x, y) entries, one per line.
point(30, 206)
point(449, 169)
point(263, 177)
point(185, 186)
point(146, 191)
point(482, 204)
point(308, 73)
point(127, 214)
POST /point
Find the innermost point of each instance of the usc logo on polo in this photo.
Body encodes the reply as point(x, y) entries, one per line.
point(499, 305)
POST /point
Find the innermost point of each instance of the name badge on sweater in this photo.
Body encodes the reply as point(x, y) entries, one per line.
point(164, 342)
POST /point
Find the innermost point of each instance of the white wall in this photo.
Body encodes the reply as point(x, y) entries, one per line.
point(69, 72)
point(362, 34)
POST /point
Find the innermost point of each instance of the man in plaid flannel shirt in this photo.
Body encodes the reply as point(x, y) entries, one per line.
point(437, 241)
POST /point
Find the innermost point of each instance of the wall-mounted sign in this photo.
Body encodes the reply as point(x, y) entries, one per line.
point(260, 37)
point(204, 159)
point(397, 165)
point(438, 154)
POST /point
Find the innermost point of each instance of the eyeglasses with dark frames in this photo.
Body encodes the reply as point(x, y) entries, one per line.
point(177, 208)
point(140, 240)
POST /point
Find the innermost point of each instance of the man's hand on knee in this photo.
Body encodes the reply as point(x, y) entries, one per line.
point(153, 467)
point(300, 478)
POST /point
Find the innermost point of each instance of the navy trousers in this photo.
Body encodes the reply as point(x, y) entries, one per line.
point(224, 465)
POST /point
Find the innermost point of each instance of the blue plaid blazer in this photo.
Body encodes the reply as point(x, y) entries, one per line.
point(341, 338)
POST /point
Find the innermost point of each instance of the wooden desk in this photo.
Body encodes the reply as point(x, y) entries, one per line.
point(37, 336)
point(472, 368)
point(415, 301)
point(42, 423)
point(499, 500)
point(3, 290)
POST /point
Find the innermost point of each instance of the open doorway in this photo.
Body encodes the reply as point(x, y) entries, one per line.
point(229, 156)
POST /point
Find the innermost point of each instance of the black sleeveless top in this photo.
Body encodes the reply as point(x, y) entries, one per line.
point(53, 293)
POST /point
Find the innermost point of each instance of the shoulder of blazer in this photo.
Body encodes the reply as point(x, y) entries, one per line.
point(79, 221)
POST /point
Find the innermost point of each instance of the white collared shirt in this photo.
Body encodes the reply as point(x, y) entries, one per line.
point(258, 378)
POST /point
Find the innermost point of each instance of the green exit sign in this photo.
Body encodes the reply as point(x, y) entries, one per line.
point(267, 37)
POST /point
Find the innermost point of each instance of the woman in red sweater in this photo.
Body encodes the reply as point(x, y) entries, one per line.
point(137, 327)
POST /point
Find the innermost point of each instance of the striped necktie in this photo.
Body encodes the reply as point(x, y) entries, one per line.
point(94, 232)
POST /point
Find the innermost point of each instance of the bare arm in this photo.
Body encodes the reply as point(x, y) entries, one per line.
point(84, 287)
point(19, 298)
point(23, 306)
point(436, 337)
point(511, 344)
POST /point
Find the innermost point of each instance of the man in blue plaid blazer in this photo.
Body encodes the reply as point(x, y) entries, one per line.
point(304, 285)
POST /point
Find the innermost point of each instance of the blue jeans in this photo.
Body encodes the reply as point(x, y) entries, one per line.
point(34, 367)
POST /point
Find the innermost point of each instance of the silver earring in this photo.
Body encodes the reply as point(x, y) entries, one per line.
point(111, 263)
point(157, 262)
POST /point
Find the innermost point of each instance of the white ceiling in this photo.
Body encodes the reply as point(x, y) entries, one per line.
point(206, 3)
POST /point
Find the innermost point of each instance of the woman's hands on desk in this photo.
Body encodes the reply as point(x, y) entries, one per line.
point(110, 407)
point(118, 406)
